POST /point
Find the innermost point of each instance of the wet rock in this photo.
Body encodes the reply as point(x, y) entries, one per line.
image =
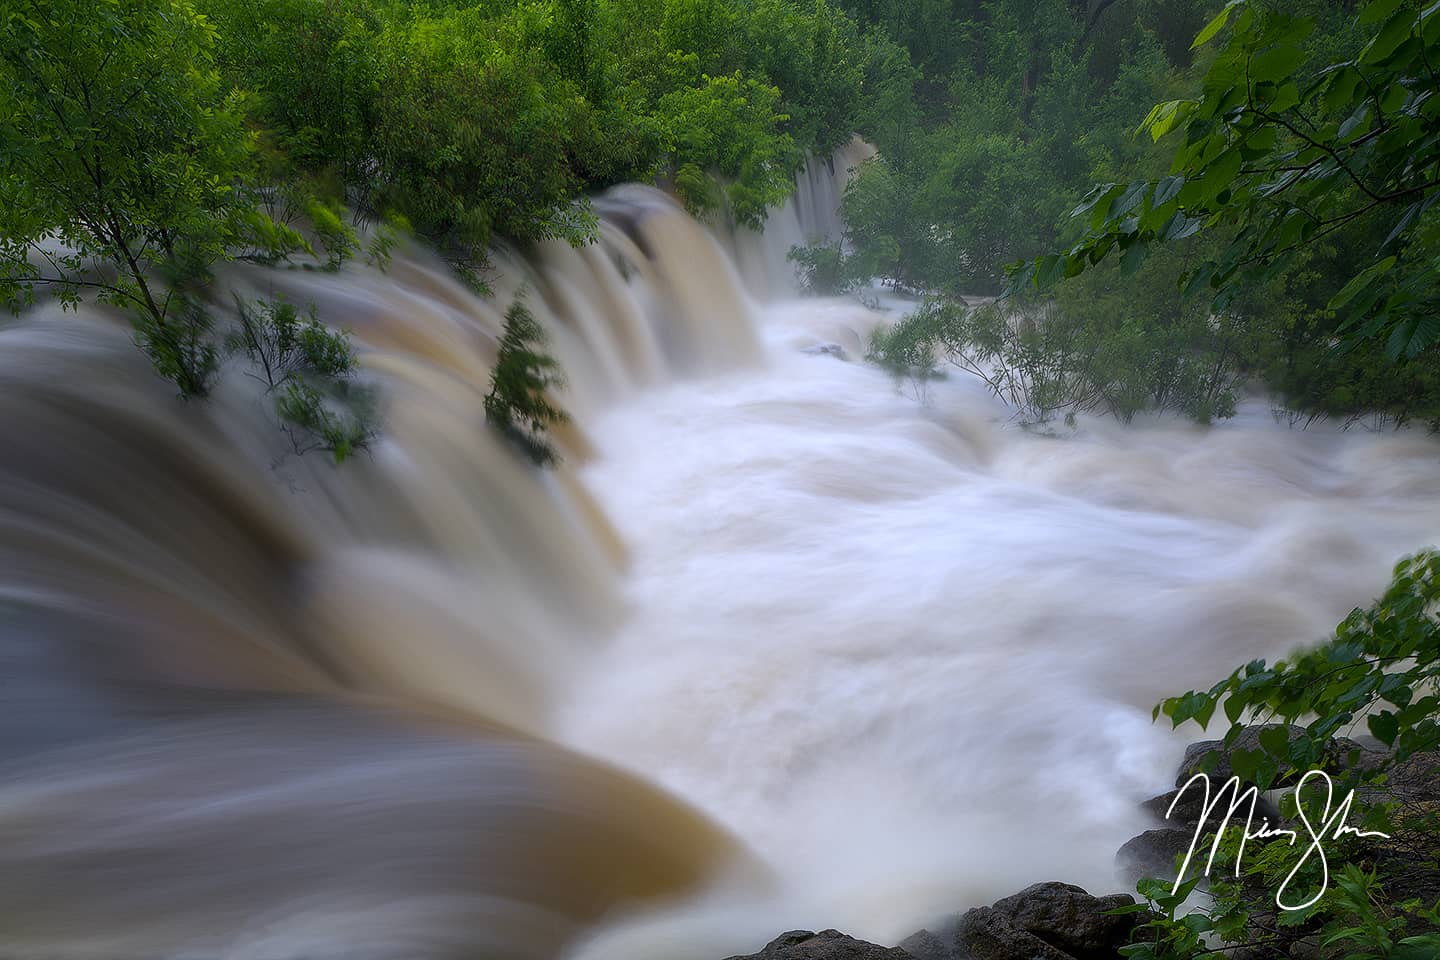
point(1191, 808)
point(1340, 749)
point(985, 934)
point(825, 945)
point(1046, 921)
point(926, 945)
point(827, 350)
point(1152, 854)
point(1070, 918)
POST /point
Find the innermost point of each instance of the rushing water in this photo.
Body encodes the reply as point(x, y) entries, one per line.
point(865, 658)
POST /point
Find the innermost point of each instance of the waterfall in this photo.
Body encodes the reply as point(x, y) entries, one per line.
point(810, 215)
point(776, 646)
point(273, 707)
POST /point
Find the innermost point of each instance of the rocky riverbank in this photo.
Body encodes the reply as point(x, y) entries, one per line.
point(1059, 921)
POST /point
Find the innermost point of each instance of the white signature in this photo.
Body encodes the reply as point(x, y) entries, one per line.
point(1317, 833)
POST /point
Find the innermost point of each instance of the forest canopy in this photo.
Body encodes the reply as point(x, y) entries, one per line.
point(161, 137)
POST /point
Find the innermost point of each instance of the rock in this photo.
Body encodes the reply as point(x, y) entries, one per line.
point(1414, 780)
point(1153, 853)
point(932, 946)
point(1191, 808)
point(827, 350)
point(825, 945)
point(1046, 921)
point(1413, 784)
point(1066, 916)
point(985, 934)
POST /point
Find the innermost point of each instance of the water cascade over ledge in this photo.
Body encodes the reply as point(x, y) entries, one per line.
point(776, 646)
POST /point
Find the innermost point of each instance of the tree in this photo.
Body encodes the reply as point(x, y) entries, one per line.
point(1282, 149)
point(119, 156)
point(517, 404)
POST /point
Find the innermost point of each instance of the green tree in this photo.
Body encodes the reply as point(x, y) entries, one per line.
point(120, 151)
point(518, 404)
point(1287, 144)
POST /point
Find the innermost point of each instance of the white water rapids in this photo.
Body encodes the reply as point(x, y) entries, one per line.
point(910, 652)
point(904, 653)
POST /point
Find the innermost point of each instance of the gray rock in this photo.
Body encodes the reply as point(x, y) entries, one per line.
point(986, 934)
point(1046, 921)
point(825, 945)
point(827, 350)
point(1153, 853)
point(1070, 918)
point(1191, 808)
point(926, 945)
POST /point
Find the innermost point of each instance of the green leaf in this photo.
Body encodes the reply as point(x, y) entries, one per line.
point(1164, 116)
point(1166, 190)
point(1378, 10)
point(1394, 33)
point(1384, 725)
point(1276, 64)
point(1341, 89)
point(1275, 740)
point(1360, 282)
point(1215, 25)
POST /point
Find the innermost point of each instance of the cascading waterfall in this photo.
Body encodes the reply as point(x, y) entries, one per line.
point(258, 706)
point(810, 215)
point(865, 658)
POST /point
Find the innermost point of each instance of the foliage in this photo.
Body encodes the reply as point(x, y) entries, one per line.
point(1051, 360)
point(119, 151)
point(142, 142)
point(312, 69)
point(1286, 145)
point(729, 126)
point(482, 120)
point(310, 370)
point(1383, 668)
point(518, 404)
point(822, 269)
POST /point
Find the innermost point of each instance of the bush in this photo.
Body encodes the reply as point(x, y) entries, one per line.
point(1049, 361)
point(310, 370)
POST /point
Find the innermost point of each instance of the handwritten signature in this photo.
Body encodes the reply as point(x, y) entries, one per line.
point(1330, 826)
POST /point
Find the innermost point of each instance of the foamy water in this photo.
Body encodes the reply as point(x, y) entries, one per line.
point(253, 706)
point(908, 652)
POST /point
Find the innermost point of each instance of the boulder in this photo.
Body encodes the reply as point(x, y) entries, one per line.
point(1070, 918)
point(926, 945)
point(825, 945)
point(826, 350)
point(1153, 853)
point(1046, 921)
point(1191, 808)
point(986, 934)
